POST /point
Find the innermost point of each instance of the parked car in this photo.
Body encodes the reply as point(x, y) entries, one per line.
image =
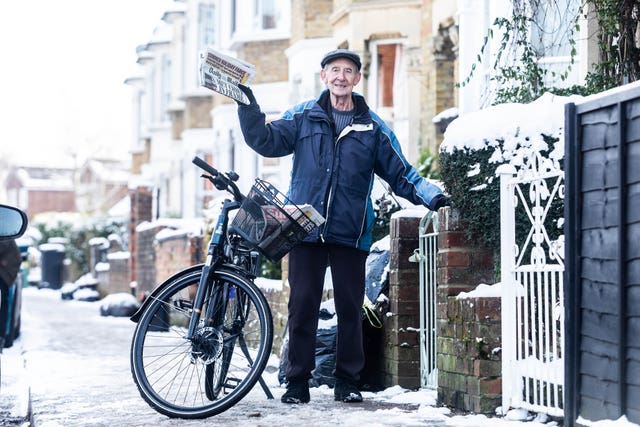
point(13, 223)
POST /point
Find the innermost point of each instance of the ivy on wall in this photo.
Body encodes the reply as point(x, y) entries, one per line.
point(618, 42)
point(520, 77)
point(477, 195)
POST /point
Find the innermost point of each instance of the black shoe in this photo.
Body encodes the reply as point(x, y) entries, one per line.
point(346, 391)
point(297, 392)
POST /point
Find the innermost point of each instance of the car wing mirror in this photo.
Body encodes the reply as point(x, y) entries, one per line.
point(13, 222)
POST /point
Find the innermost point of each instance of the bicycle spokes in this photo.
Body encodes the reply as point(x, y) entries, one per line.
point(204, 375)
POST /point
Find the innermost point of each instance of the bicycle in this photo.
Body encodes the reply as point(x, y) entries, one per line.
point(203, 336)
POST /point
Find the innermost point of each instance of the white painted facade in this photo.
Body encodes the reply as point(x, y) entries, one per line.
point(476, 17)
point(169, 75)
point(170, 61)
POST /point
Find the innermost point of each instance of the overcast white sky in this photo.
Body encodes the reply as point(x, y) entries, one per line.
point(61, 79)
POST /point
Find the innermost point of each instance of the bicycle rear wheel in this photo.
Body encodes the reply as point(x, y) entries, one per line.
point(209, 374)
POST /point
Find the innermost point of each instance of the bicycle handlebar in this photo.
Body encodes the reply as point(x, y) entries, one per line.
point(205, 166)
point(222, 181)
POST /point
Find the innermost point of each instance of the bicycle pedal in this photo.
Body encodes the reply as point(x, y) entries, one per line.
point(231, 383)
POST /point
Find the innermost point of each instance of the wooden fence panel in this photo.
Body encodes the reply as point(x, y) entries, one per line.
point(602, 276)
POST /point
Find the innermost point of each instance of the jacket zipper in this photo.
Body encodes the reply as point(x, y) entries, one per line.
point(328, 194)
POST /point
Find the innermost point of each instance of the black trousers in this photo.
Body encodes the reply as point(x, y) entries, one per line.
point(307, 266)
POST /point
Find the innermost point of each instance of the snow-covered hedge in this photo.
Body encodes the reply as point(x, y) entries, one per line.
point(475, 144)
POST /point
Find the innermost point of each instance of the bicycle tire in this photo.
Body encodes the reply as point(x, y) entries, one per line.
point(171, 371)
point(216, 372)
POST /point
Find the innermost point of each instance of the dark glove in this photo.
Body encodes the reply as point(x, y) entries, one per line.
point(247, 91)
point(439, 201)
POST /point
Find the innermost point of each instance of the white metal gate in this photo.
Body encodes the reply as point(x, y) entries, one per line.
point(532, 298)
point(426, 255)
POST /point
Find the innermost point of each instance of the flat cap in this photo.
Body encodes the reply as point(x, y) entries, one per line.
point(341, 53)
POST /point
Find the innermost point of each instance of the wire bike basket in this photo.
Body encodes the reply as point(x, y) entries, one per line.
point(270, 223)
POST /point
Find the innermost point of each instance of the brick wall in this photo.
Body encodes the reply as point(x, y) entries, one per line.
point(277, 299)
point(445, 95)
point(119, 275)
point(102, 276)
point(97, 253)
point(469, 360)
point(141, 210)
point(197, 112)
point(160, 258)
point(402, 350)
point(51, 201)
point(462, 265)
point(438, 74)
point(140, 157)
point(175, 253)
point(468, 330)
point(268, 57)
point(146, 259)
point(310, 19)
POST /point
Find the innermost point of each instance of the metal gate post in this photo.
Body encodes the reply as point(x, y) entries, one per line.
point(508, 251)
point(426, 256)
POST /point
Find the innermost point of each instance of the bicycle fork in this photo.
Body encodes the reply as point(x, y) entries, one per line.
point(212, 261)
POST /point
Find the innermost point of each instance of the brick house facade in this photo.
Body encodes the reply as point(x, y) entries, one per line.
point(41, 189)
point(409, 51)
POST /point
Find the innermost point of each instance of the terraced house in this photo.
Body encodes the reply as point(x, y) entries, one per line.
point(425, 62)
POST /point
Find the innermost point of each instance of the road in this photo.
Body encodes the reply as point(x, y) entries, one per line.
point(78, 368)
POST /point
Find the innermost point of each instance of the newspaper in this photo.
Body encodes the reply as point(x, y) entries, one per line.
point(222, 73)
point(300, 214)
point(277, 235)
point(309, 211)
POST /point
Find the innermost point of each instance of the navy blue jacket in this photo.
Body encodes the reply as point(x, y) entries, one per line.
point(335, 173)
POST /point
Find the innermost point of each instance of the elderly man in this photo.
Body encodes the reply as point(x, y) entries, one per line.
point(338, 145)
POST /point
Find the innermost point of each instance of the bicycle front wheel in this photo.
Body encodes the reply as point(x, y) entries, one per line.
point(208, 374)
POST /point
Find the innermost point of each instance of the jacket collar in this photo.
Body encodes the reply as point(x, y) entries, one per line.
point(361, 114)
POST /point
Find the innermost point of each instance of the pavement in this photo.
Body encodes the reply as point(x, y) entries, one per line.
point(72, 382)
point(15, 401)
point(51, 378)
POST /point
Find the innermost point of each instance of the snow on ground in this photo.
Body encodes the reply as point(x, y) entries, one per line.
point(620, 422)
point(397, 406)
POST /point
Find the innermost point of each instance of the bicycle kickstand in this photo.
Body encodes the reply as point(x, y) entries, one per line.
point(265, 388)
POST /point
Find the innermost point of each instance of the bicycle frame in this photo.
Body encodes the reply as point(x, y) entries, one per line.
point(226, 305)
point(215, 250)
point(215, 254)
